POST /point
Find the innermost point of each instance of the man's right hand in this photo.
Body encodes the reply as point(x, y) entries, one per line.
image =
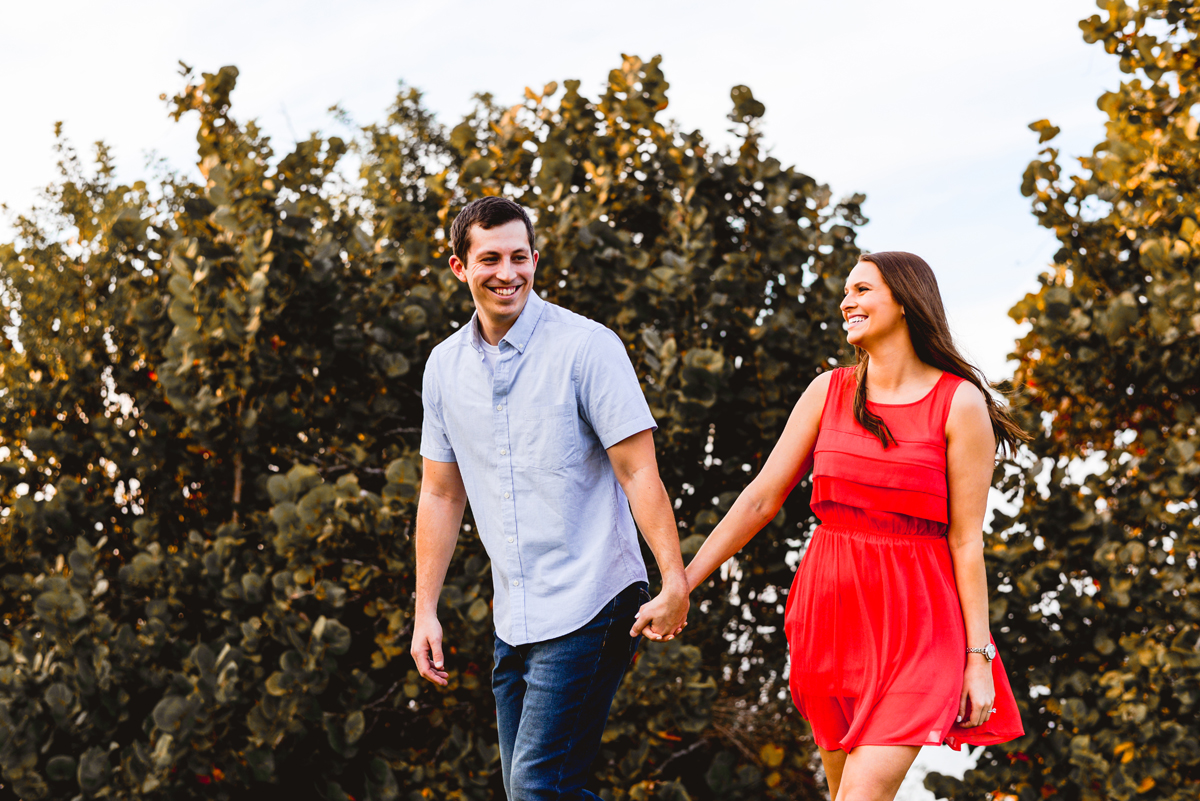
point(427, 650)
point(665, 616)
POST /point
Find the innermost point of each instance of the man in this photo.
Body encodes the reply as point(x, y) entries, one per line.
point(534, 415)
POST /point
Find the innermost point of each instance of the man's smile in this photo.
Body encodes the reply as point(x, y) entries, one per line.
point(504, 291)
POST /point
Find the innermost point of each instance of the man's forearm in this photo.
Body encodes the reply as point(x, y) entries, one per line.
point(651, 509)
point(438, 522)
point(636, 470)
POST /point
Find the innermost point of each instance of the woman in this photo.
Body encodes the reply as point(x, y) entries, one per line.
point(887, 620)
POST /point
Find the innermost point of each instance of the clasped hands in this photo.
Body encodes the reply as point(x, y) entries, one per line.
point(664, 616)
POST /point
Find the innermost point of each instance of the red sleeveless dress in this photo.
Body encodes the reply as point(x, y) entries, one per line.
point(873, 621)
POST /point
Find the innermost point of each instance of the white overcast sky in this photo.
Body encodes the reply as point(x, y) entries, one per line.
point(923, 106)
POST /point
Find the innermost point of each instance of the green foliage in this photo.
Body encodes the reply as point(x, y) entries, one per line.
point(208, 435)
point(1099, 564)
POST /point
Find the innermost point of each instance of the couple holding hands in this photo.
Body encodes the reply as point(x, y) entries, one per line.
point(534, 415)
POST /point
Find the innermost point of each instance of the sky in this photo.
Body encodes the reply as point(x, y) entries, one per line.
point(922, 106)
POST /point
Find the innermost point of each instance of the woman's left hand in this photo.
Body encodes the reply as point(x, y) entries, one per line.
point(978, 693)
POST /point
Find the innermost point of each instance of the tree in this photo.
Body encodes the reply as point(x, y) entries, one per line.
point(210, 413)
point(1098, 604)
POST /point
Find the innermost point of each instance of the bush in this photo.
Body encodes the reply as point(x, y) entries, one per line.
point(1098, 611)
point(210, 410)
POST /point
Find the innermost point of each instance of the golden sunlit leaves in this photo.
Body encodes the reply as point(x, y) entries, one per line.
point(771, 755)
point(1098, 590)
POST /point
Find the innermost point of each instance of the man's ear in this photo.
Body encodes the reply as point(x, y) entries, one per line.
point(458, 268)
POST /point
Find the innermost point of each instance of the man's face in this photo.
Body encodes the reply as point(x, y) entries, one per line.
point(499, 271)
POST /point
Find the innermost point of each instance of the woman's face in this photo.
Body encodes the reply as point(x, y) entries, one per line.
point(871, 313)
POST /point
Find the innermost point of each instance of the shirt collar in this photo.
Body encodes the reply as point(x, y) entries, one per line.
point(517, 336)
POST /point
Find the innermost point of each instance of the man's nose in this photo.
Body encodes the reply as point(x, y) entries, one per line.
point(505, 270)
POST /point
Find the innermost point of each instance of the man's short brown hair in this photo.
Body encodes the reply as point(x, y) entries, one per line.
point(486, 212)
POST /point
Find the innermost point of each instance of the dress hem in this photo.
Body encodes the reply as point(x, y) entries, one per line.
point(996, 740)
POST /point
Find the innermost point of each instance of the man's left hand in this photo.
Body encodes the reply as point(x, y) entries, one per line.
point(662, 617)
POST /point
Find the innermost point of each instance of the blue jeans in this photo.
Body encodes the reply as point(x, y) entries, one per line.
point(553, 697)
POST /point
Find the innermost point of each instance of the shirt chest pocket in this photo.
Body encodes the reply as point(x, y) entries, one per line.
point(545, 437)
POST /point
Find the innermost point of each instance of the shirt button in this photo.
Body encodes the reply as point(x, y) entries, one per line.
point(516, 583)
point(512, 539)
point(499, 407)
point(507, 495)
point(503, 452)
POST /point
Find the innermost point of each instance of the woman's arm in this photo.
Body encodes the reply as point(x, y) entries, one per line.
point(970, 462)
point(759, 503)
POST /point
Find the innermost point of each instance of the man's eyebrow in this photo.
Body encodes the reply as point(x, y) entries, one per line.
point(523, 250)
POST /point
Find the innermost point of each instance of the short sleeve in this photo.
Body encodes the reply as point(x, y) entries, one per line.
point(610, 398)
point(435, 444)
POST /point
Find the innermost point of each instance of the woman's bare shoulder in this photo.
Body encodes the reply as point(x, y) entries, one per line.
point(818, 388)
point(812, 402)
point(968, 409)
point(822, 381)
point(968, 398)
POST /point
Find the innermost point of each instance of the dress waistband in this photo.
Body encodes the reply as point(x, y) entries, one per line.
point(857, 531)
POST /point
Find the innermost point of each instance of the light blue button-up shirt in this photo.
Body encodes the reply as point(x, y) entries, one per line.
point(530, 440)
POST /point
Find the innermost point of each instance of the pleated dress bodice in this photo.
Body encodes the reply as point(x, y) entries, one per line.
point(902, 488)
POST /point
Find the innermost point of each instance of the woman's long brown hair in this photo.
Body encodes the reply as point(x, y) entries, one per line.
point(915, 288)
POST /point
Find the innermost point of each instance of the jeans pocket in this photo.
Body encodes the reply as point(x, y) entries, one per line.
point(643, 597)
point(640, 598)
